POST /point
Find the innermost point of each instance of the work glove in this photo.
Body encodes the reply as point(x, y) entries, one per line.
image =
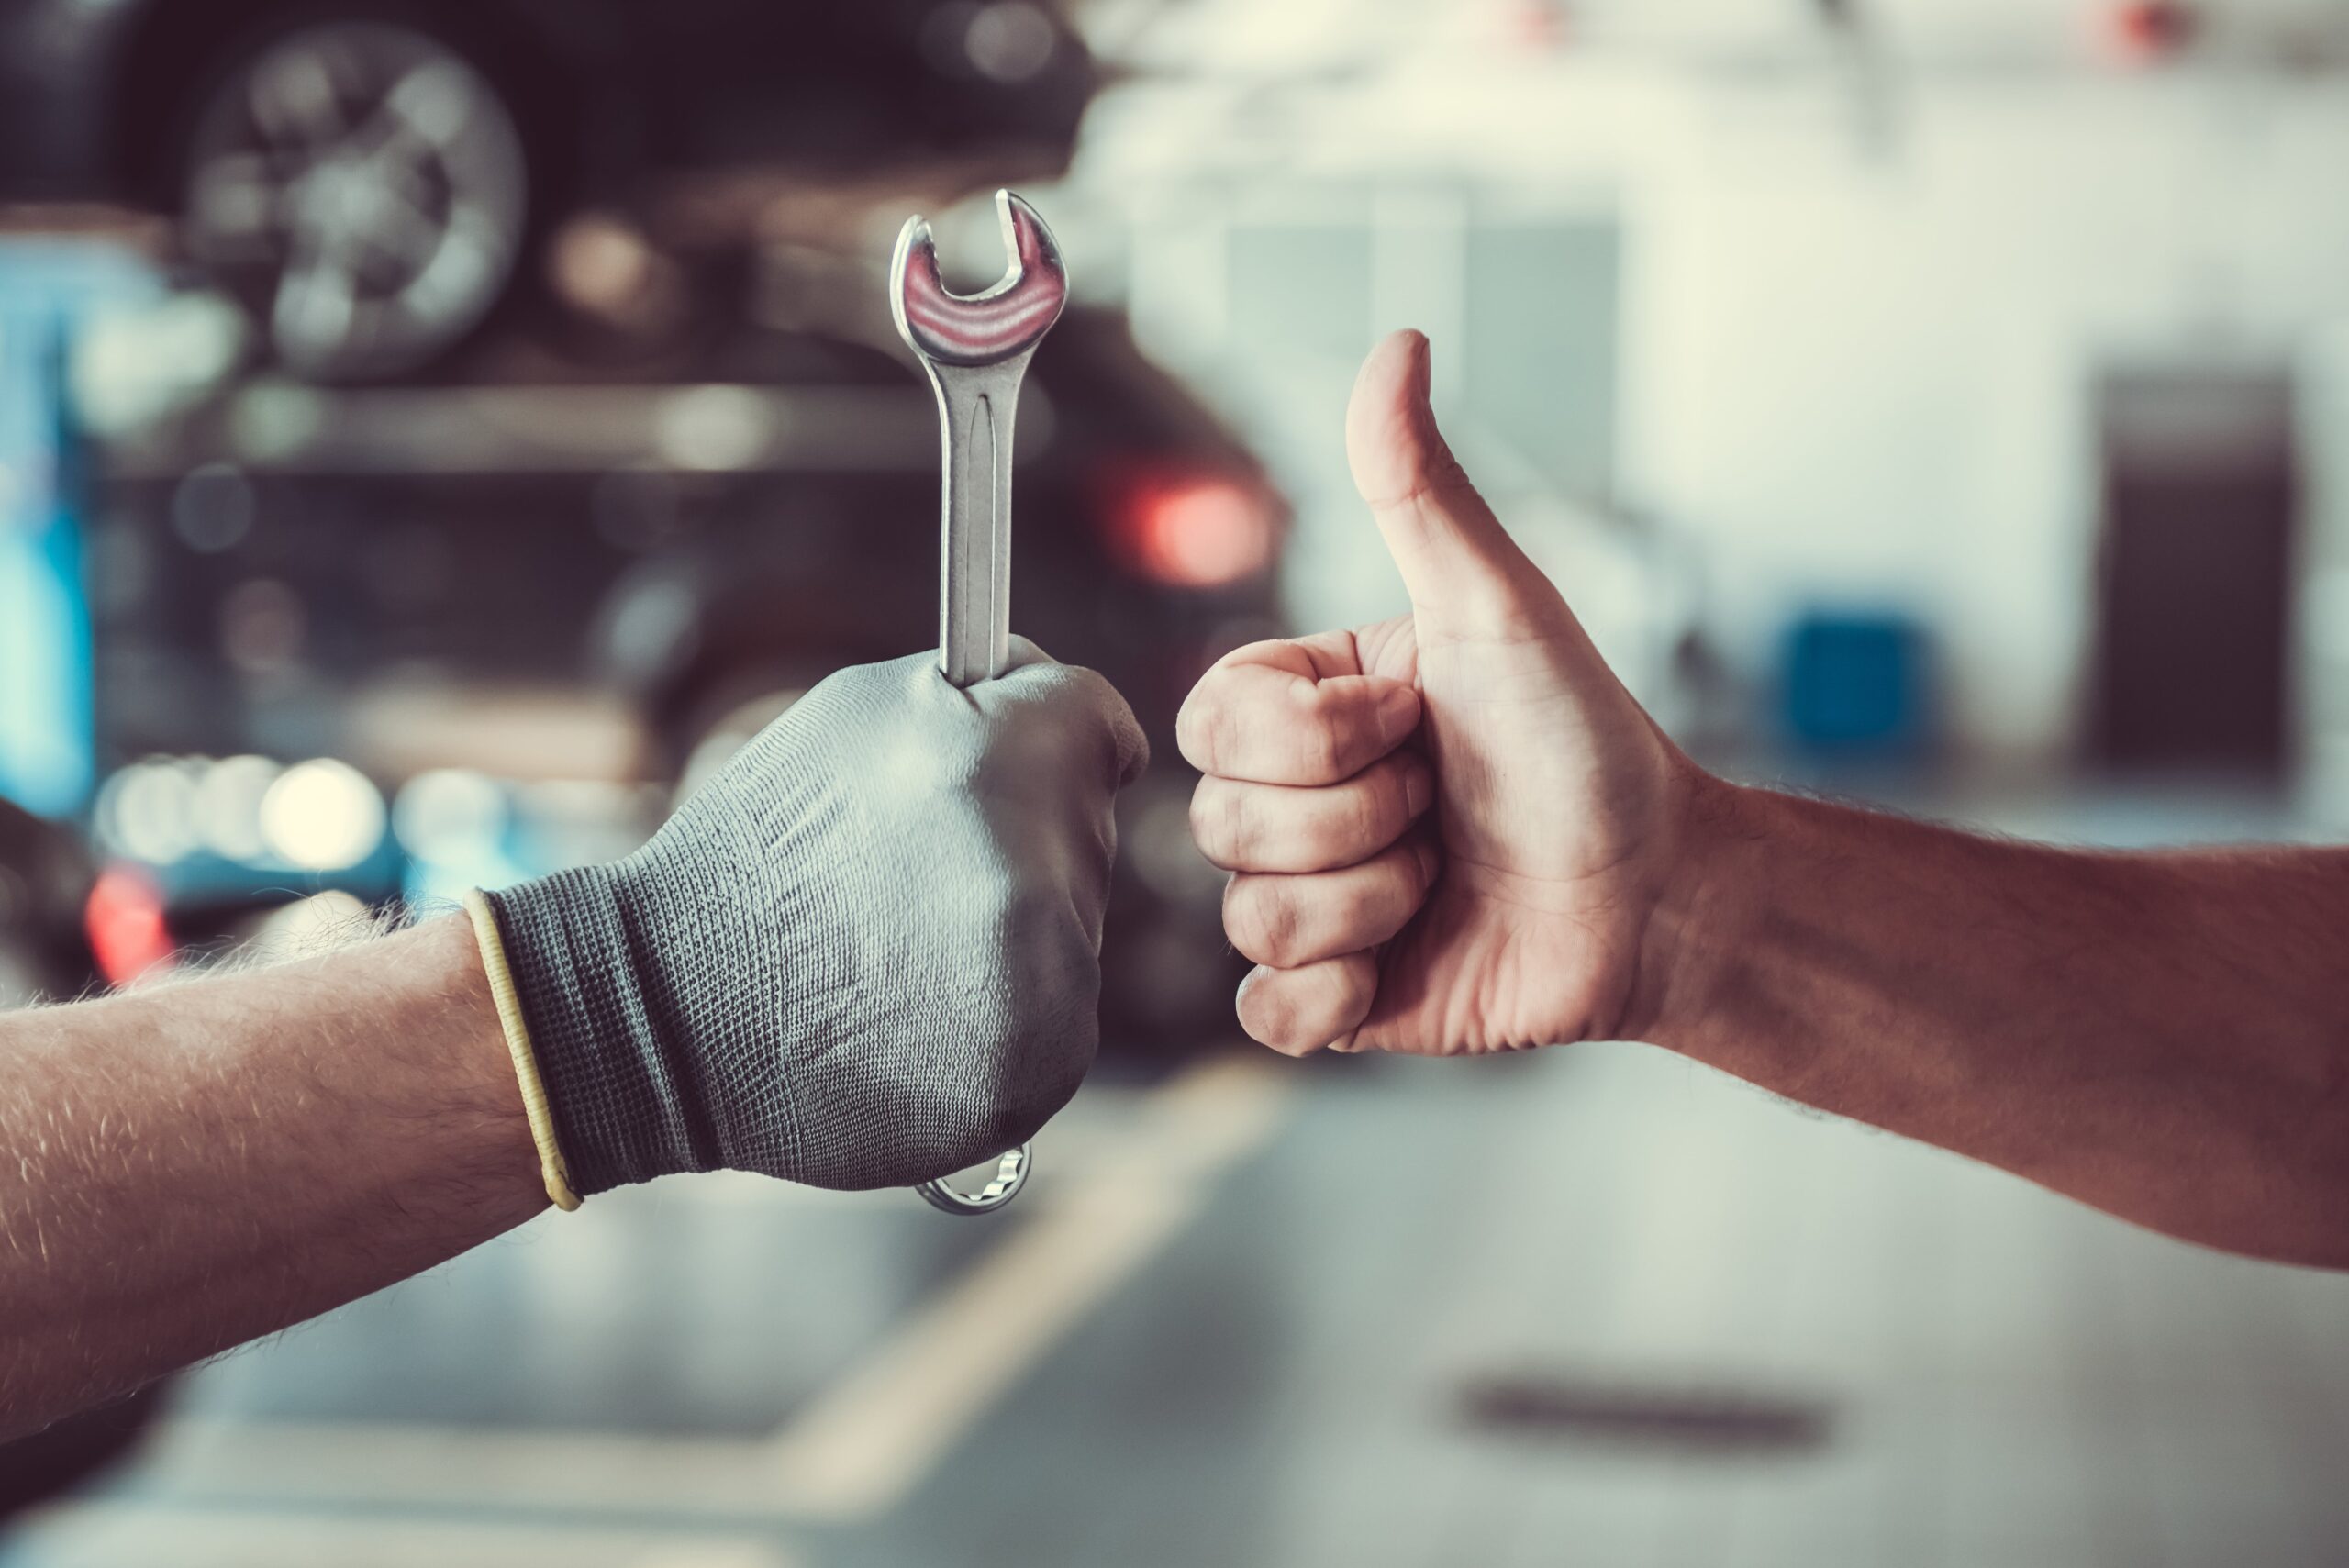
point(865, 954)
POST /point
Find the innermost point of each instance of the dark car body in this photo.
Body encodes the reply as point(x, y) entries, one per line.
point(94, 92)
point(382, 183)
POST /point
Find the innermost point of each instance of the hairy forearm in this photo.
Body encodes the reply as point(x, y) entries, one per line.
point(2164, 1036)
point(183, 1169)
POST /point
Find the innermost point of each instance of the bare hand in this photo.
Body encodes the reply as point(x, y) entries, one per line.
point(1449, 831)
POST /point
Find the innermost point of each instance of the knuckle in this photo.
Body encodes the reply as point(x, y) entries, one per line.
point(1205, 822)
point(1304, 1011)
point(1093, 688)
point(1262, 920)
point(1194, 728)
point(1269, 1016)
point(1226, 730)
point(1083, 705)
point(1318, 741)
point(1359, 818)
point(1323, 748)
point(1238, 826)
point(1278, 1011)
point(1222, 822)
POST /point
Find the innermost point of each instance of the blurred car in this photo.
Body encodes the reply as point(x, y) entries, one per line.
point(45, 878)
point(404, 639)
point(372, 178)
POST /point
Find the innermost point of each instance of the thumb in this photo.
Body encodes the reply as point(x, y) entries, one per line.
point(1465, 575)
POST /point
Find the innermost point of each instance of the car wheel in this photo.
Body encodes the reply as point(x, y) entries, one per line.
point(364, 189)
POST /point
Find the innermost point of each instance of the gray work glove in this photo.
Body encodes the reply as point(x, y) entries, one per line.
point(865, 955)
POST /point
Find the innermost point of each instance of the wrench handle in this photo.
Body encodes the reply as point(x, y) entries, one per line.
point(975, 409)
point(975, 351)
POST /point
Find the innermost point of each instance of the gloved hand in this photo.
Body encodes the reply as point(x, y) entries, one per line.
point(1452, 831)
point(865, 954)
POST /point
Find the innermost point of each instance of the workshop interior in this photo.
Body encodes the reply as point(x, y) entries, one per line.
point(435, 436)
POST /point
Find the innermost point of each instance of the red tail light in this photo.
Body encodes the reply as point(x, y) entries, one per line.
point(124, 918)
point(2146, 32)
point(1193, 531)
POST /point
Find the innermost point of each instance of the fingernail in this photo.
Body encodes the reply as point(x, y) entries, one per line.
point(1429, 862)
point(1398, 714)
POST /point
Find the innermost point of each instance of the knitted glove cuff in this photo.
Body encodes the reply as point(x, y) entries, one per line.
point(622, 1111)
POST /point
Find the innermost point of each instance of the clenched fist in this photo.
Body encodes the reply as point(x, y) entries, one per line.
point(1450, 832)
point(865, 954)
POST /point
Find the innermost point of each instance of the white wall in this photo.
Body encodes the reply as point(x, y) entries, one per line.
point(1871, 378)
point(1856, 364)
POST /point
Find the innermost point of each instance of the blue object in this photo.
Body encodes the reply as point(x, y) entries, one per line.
point(1858, 683)
point(46, 734)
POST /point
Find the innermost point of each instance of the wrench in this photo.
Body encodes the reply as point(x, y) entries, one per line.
point(976, 349)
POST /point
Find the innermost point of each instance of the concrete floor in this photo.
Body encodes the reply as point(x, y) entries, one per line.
point(1597, 1307)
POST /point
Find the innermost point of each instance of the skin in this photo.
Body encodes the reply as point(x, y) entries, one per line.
point(368, 1094)
point(183, 1169)
point(1456, 832)
point(1450, 833)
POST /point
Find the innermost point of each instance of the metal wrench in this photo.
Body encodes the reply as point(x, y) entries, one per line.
point(976, 350)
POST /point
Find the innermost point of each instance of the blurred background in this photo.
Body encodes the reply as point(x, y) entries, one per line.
point(433, 435)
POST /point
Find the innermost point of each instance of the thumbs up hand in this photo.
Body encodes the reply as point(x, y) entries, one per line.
point(1454, 831)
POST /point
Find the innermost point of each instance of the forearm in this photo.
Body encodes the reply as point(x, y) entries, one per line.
point(185, 1168)
point(2163, 1035)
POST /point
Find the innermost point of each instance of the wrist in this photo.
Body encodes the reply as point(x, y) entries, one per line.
point(594, 1029)
point(432, 994)
point(1708, 896)
point(496, 974)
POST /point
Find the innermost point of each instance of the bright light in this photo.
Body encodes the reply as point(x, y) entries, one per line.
point(124, 919)
point(715, 427)
point(322, 816)
point(148, 811)
point(227, 806)
point(1009, 41)
point(1204, 534)
point(450, 815)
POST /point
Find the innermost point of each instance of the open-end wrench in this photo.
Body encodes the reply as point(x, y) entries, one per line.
point(976, 349)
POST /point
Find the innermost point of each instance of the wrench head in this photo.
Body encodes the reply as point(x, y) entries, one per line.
point(986, 328)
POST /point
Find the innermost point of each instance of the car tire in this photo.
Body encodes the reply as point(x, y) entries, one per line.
point(363, 185)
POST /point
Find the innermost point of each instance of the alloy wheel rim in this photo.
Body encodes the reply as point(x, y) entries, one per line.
point(363, 188)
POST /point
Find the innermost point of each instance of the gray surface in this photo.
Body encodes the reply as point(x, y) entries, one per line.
point(1762, 1338)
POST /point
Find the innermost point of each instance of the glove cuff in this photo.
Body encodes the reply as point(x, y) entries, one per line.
point(594, 1034)
point(552, 1170)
